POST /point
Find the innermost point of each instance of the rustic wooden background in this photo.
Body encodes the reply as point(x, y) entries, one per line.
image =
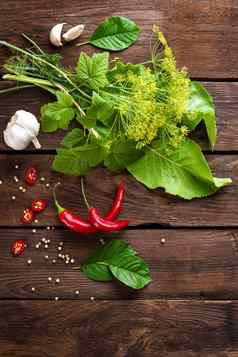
point(190, 309)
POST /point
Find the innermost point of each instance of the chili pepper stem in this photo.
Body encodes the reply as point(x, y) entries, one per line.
point(84, 195)
point(58, 206)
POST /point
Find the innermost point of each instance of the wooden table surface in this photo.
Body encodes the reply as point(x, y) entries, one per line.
point(190, 309)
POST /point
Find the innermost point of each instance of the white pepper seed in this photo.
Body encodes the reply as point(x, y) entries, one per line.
point(92, 298)
point(13, 198)
point(16, 166)
point(49, 278)
point(162, 241)
point(61, 244)
point(43, 240)
point(0, 182)
point(16, 179)
point(53, 261)
point(72, 261)
point(56, 298)
point(47, 185)
point(46, 256)
point(42, 179)
point(57, 280)
point(37, 246)
point(59, 248)
point(20, 188)
point(33, 231)
point(77, 292)
point(46, 246)
point(36, 221)
point(23, 190)
point(29, 261)
point(33, 289)
point(48, 228)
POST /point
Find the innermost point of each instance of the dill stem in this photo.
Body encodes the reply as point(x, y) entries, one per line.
point(14, 88)
point(26, 79)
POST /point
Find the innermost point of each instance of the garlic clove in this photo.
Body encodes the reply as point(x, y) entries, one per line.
point(73, 33)
point(55, 34)
point(26, 120)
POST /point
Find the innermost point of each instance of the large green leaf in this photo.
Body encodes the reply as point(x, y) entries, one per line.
point(100, 109)
point(200, 107)
point(75, 137)
point(184, 172)
point(57, 115)
point(115, 34)
point(92, 70)
point(122, 153)
point(77, 161)
point(121, 261)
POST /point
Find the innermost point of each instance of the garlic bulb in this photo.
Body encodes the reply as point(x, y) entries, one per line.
point(21, 130)
point(56, 36)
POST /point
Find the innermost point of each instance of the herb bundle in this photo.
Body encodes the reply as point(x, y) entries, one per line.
point(131, 116)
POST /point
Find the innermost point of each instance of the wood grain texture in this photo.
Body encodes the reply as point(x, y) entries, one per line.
point(141, 206)
point(225, 97)
point(191, 264)
point(203, 34)
point(123, 328)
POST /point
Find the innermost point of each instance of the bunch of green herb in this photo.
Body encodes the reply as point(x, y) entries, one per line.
point(131, 116)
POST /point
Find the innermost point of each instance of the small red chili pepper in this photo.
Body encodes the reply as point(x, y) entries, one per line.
point(18, 247)
point(31, 176)
point(102, 224)
point(73, 221)
point(38, 205)
point(116, 207)
point(28, 216)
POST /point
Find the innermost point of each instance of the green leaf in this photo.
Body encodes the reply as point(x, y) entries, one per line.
point(201, 107)
point(100, 109)
point(115, 34)
point(92, 70)
point(184, 172)
point(74, 138)
point(77, 161)
point(121, 261)
point(57, 115)
point(122, 154)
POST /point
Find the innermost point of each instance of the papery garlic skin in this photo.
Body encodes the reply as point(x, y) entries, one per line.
point(21, 130)
point(73, 33)
point(56, 35)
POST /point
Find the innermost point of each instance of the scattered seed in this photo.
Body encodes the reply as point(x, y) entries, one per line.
point(20, 188)
point(77, 292)
point(13, 198)
point(59, 248)
point(23, 190)
point(42, 179)
point(56, 298)
point(48, 228)
point(29, 261)
point(46, 256)
point(92, 298)
point(53, 261)
point(43, 240)
point(33, 231)
point(0, 182)
point(102, 241)
point(163, 240)
point(16, 179)
point(16, 166)
point(57, 280)
point(47, 185)
point(72, 261)
point(61, 244)
point(49, 278)
point(37, 246)
point(33, 289)
point(46, 246)
point(36, 221)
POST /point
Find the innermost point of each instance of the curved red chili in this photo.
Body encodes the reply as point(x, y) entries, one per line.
point(73, 221)
point(116, 206)
point(103, 224)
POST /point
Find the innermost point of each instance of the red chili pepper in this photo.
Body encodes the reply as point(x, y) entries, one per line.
point(73, 221)
point(28, 216)
point(103, 224)
point(31, 176)
point(116, 207)
point(38, 205)
point(18, 247)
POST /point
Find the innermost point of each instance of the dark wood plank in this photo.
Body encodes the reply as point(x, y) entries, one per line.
point(191, 263)
point(224, 94)
point(201, 33)
point(141, 206)
point(122, 328)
